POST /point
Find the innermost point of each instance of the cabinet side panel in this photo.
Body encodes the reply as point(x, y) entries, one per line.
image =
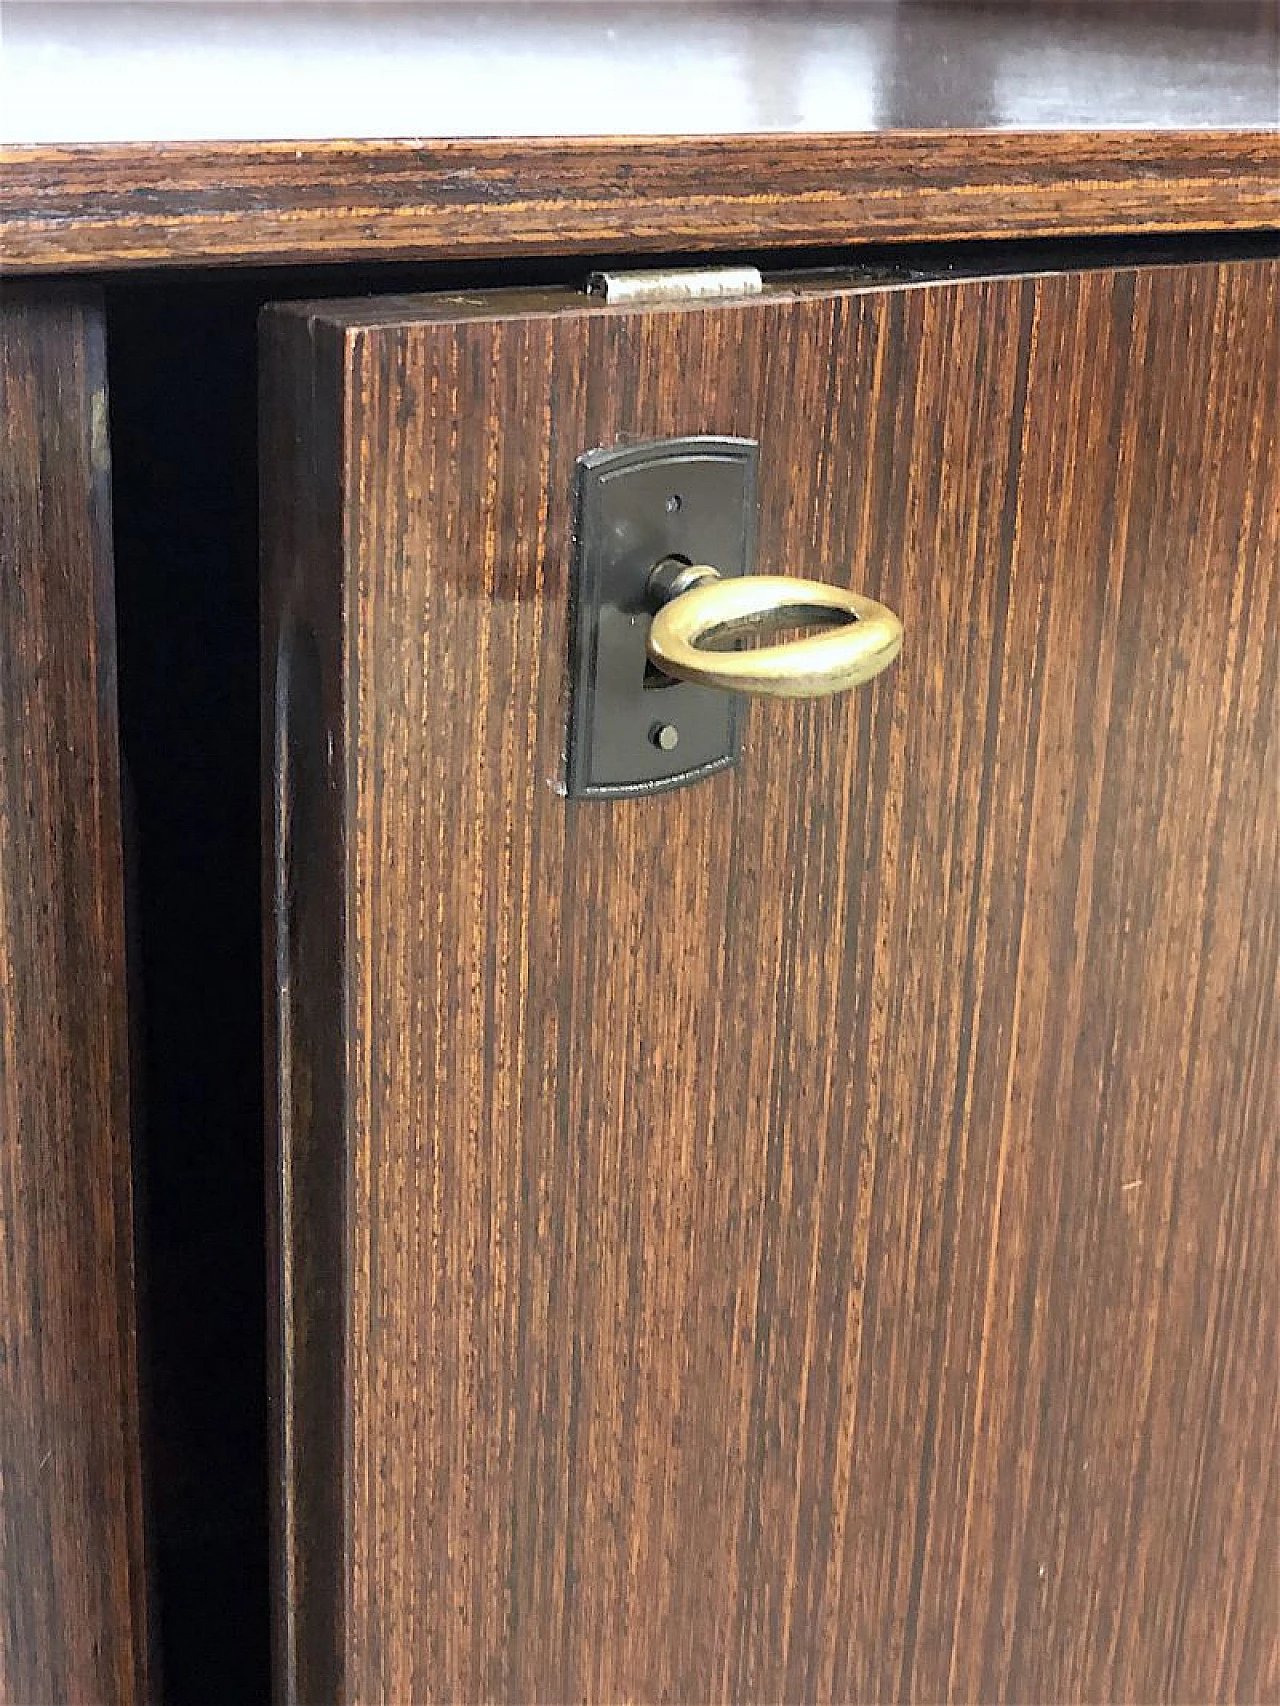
point(72, 1600)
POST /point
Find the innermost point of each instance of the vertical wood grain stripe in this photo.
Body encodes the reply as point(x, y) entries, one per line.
point(72, 1593)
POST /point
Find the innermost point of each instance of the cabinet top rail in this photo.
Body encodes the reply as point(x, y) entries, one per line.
point(141, 134)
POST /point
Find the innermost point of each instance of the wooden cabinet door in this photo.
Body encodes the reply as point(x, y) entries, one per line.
point(812, 1235)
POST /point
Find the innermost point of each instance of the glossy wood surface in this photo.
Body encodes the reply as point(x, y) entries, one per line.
point(150, 133)
point(810, 1236)
point(72, 1624)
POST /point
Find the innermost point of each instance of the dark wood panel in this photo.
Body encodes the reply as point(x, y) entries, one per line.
point(810, 1236)
point(72, 1624)
point(125, 205)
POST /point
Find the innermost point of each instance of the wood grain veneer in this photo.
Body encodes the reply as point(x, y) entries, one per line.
point(811, 1236)
point(123, 205)
point(72, 1624)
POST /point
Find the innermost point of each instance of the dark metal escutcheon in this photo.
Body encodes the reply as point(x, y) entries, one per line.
point(693, 498)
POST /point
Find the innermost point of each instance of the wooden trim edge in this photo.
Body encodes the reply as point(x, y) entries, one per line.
point(92, 207)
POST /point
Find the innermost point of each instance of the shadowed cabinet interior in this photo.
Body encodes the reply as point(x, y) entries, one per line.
point(809, 1235)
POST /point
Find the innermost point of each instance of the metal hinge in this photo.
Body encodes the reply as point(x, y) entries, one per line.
point(687, 284)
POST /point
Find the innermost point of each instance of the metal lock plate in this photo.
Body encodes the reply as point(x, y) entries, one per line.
point(632, 730)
